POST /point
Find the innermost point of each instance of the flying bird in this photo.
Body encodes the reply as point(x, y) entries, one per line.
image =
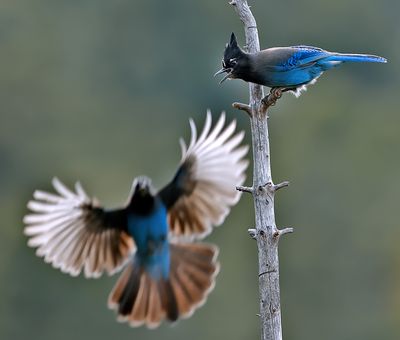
point(284, 68)
point(167, 273)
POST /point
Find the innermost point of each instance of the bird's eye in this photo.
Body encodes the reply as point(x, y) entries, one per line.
point(233, 61)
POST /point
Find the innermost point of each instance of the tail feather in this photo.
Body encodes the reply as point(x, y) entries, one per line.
point(200, 276)
point(356, 58)
point(168, 300)
point(155, 311)
point(193, 275)
point(183, 300)
point(141, 299)
point(139, 312)
point(193, 293)
point(128, 288)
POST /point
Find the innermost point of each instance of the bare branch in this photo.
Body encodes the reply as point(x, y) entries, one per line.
point(286, 231)
point(244, 189)
point(243, 107)
point(280, 232)
point(275, 187)
point(263, 189)
point(272, 188)
point(281, 185)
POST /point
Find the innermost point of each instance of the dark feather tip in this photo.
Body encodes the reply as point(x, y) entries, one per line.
point(233, 41)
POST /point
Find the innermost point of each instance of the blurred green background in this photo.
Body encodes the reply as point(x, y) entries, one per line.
point(101, 90)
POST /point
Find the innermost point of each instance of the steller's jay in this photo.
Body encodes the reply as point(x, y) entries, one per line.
point(167, 276)
point(284, 68)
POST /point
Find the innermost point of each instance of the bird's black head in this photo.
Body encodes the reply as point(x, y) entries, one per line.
point(142, 195)
point(234, 58)
point(141, 186)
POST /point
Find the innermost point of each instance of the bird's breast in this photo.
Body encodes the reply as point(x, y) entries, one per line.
point(150, 231)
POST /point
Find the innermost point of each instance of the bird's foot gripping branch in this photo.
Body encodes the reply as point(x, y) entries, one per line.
point(272, 97)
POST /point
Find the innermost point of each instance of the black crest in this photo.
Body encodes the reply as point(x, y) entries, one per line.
point(233, 41)
point(232, 52)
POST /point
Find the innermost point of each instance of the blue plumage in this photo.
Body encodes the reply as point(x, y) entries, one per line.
point(288, 68)
point(150, 234)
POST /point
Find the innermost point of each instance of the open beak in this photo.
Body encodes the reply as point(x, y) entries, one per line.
point(223, 70)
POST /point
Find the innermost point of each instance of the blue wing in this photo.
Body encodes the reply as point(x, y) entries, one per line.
point(283, 59)
point(302, 56)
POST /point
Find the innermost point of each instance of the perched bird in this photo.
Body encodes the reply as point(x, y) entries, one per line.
point(167, 275)
point(284, 68)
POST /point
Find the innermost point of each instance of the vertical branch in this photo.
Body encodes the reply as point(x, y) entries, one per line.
point(263, 191)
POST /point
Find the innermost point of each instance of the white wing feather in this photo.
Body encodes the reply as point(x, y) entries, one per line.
point(218, 168)
point(71, 232)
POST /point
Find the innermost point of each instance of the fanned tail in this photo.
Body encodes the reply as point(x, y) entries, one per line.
point(141, 299)
point(356, 58)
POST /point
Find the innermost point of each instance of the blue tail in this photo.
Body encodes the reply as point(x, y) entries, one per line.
point(356, 58)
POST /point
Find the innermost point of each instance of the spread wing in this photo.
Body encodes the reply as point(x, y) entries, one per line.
point(203, 190)
point(72, 232)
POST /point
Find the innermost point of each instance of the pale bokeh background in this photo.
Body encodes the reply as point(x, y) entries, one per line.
point(100, 91)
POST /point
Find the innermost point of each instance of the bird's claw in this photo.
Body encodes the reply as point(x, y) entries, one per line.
point(273, 96)
point(276, 92)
